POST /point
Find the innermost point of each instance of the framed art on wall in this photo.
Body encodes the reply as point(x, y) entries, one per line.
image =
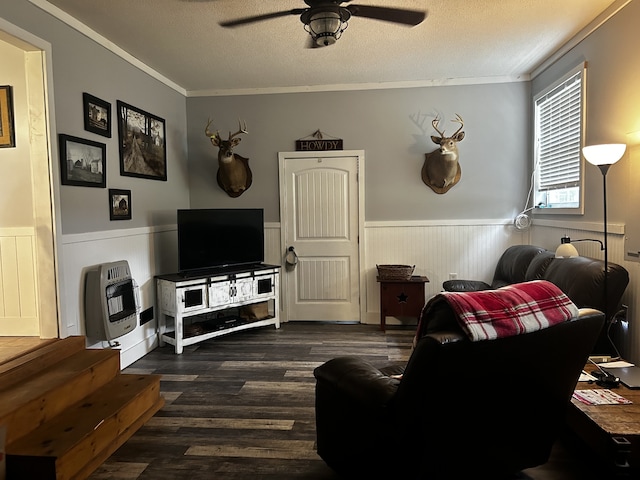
point(141, 141)
point(83, 162)
point(7, 133)
point(119, 204)
point(97, 115)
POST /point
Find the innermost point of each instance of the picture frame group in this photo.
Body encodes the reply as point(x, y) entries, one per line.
point(83, 162)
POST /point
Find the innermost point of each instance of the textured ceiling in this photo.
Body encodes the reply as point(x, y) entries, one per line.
point(460, 41)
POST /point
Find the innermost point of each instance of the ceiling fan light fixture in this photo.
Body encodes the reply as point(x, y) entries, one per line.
point(326, 27)
point(325, 20)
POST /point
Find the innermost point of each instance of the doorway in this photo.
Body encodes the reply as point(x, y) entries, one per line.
point(321, 222)
point(28, 285)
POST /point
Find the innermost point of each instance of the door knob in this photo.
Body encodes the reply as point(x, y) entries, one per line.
point(291, 258)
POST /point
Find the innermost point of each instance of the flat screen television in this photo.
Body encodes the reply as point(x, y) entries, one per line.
point(216, 238)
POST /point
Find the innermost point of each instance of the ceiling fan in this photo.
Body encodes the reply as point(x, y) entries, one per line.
point(325, 20)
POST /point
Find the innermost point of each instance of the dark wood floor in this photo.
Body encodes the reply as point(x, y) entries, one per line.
point(242, 406)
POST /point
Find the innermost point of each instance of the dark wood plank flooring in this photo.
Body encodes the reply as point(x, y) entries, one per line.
point(242, 406)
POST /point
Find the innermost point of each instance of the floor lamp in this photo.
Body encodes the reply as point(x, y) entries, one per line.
point(603, 156)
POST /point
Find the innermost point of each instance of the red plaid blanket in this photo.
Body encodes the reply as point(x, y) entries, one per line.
point(511, 310)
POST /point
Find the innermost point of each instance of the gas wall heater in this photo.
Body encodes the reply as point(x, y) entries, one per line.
point(111, 301)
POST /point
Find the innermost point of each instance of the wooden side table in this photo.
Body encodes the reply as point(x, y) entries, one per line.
point(401, 298)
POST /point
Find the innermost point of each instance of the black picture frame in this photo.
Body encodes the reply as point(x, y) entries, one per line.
point(97, 115)
point(83, 163)
point(7, 127)
point(141, 143)
point(119, 204)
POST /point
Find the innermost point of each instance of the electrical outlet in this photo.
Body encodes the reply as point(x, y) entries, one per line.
point(622, 315)
point(453, 276)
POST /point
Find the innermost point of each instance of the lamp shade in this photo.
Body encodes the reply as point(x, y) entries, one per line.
point(605, 154)
point(566, 250)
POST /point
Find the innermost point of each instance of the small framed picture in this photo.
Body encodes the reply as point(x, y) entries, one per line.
point(7, 130)
point(141, 141)
point(83, 163)
point(97, 115)
point(119, 204)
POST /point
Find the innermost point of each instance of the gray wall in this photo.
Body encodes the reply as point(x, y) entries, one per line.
point(80, 65)
point(493, 154)
point(613, 112)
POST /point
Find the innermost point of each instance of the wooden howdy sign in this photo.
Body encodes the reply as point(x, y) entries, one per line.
point(318, 143)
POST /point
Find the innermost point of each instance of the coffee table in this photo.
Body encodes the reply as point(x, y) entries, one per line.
point(612, 431)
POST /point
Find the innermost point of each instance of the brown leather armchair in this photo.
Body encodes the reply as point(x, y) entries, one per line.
point(460, 409)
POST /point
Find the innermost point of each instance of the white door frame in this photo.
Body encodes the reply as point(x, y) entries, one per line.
point(43, 148)
point(282, 157)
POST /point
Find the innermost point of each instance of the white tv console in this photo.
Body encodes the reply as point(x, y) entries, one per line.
point(193, 308)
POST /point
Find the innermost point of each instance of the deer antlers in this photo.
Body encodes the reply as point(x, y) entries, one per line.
point(242, 128)
point(458, 119)
point(208, 133)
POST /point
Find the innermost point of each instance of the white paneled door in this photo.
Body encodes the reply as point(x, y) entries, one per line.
point(321, 221)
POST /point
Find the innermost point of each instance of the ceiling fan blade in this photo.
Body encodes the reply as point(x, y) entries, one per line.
point(387, 14)
point(259, 18)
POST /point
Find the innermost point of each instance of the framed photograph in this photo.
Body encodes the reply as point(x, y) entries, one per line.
point(141, 141)
point(83, 163)
point(119, 204)
point(7, 131)
point(97, 115)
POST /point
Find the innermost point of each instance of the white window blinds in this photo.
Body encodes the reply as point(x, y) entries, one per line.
point(559, 133)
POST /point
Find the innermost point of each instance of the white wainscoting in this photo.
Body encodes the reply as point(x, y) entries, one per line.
point(273, 254)
point(148, 252)
point(548, 233)
point(469, 249)
point(18, 286)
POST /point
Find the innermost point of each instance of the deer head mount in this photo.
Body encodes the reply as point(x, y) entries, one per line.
point(234, 175)
point(441, 169)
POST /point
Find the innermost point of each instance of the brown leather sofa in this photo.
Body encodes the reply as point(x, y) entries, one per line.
point(461, 409)
point(580, 278)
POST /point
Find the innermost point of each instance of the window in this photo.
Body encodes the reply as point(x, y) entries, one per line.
point(558, 130)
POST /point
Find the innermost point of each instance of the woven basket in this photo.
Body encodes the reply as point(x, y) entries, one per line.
point(395, 272)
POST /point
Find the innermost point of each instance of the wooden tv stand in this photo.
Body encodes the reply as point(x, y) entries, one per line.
point(193, 308)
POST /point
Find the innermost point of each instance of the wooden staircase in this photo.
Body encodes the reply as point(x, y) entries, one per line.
point(68, 408)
